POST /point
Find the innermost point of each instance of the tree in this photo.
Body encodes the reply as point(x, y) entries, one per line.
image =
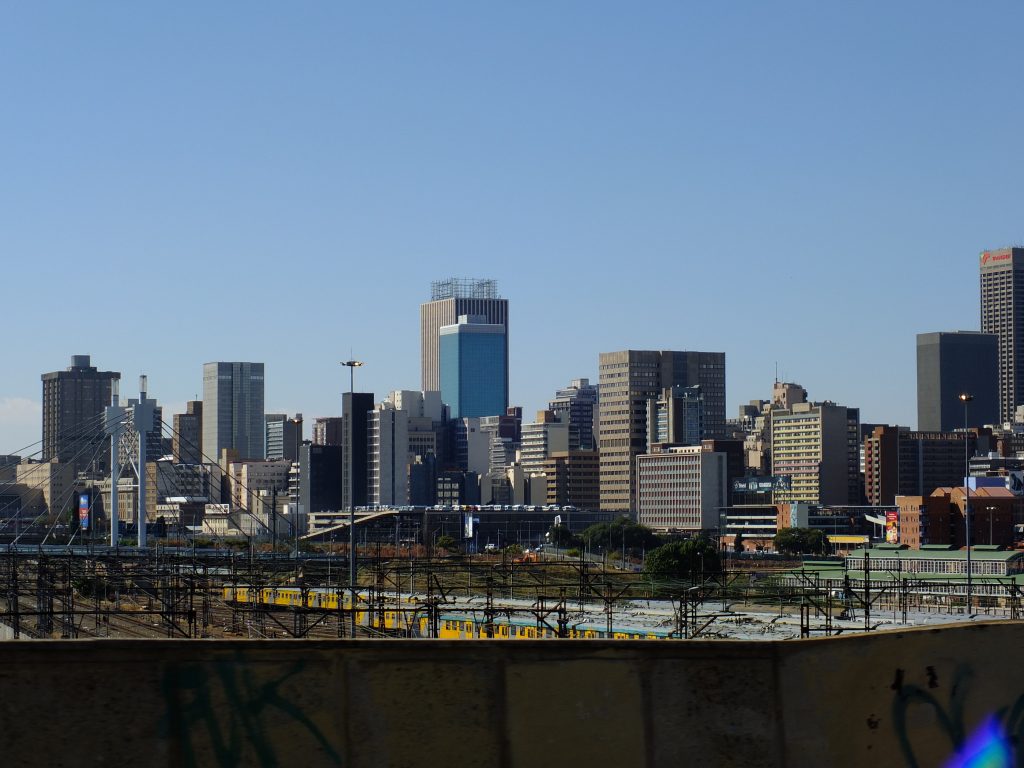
point(560, 536)
point(801, 541)
point(622, 532)
point(737, 542)
point(444, 541)
point(679, 560)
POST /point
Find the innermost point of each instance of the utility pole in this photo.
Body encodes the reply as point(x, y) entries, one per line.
point(966, 398)
point(351, 365)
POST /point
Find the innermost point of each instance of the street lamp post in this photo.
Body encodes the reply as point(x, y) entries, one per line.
point(351, 365)
point(965, 398)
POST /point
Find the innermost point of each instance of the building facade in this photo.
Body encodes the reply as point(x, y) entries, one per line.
point(573, 479)
point(47, 487)
point(939, 518)
point(73, 405)
point(576, 405)
point(676, 417)
point(449, 300)
point(681, 489)
point(233, 410)
point(248, 479)
point(283, 436)
point(356, 409)
point(473, 367)
point(547, 435)
point(320, 485)
point(627, 381)
point(327, 430)
point(817, 445)
point(187, 440)
point(949, 364)
point(899, 462)
point(388, 470)
point(1002, 313)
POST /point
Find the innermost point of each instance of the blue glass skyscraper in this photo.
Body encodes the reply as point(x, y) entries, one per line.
point(472, 362)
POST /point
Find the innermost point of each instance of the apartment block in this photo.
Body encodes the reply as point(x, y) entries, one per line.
point(816, 445)
point(901, 462)
point(73, 406)
point(628, 380)
point(186, 442)
point(681, 489)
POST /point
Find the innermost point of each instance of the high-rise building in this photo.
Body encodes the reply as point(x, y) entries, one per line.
point(449, 300)
point(53, 480)
point(547, 435)
point(577, 406)
point(283, 436)
point(356, 409)
point(188, 434)
point(1002, 313)
point(327, 430)
point(388, 459)
point(233, 409)
point(898, 462)
point(677, 417)
point(573, 479)
point(681, 488)
point(627, 381)
point(248, 478)
point(73, 405)
point(320, 485)
point(473, 362)
point(949, 364)
point(504, 434)
point(817, 445)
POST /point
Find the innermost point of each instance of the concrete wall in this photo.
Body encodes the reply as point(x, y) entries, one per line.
point(897, 698)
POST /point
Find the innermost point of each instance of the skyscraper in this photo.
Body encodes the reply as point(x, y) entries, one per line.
point(233, 409)
point(327, 430)
point(73, 403)
point(1002, 313)
point(355, 454)
point(284, 436)
point(388, 459)
point(188, 434)
point(949, 364)
point(320, 478)
point(627, 381)
point(473, 362)
point(577, 405)
point(448, 300)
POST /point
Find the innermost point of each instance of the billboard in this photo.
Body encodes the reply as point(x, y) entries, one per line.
point(892, 527)
point(993, 258)
point(467, 525)
point(773, 484)
point(83, 511)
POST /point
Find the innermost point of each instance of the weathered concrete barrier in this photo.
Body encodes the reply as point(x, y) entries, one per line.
point(897, 698)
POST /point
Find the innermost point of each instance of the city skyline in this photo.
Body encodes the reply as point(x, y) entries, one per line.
point(630, 184)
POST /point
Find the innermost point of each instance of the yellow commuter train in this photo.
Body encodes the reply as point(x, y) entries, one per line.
point(408, 616)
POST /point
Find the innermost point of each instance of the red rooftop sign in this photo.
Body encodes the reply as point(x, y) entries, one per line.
point(990, 256)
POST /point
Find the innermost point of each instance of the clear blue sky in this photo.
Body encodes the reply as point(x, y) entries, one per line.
point(807, 184)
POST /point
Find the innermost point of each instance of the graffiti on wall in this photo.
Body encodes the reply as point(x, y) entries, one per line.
point(995, 743)
point(227, 712)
